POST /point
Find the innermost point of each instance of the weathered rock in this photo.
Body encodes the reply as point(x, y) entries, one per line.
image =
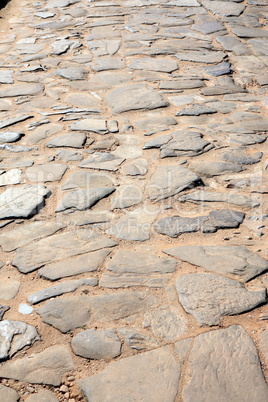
point(242, 156)
point(98, 345)
point(22, 201)
point(80, 218)
point(10, 136)
point(60, 289)
point(240, 376)
point(8, 394)
point(74, 266)
point(3, 310)
point(73, 73)
point(157, 371)
point(210, 169)
point(163, 65)
point(83, 179)
point(182, 348)
point(102, 161)
point(134, 97)
point(135, 225)
point(61, 46)
point(108, 63)
point(14, 336)
point(96, 125)
point(180, 84)
point(69, 140)
point(42, 132)
point(103, 308)
point(58, 247)
point(196, 110)
point(47, 367)
point(232, 44)
point(42, 396)
point(233, 261)
point(208, 297)
point(167, 181)
point(13, 176)
point(9, 121)
point(115, 281)
point(25, 234)
point(209, 196)
point(9, 289)
point(136, 168)
point(82, 100)
point(218, 70)
point(46, 173)
point(83, 198)
point(156, 123)
point(127, 196)
point(21, 90)
point(166, 323)
point(185, 143)
point(263, 344)
point(201, 57)
point(220, 8)
point(135, 339)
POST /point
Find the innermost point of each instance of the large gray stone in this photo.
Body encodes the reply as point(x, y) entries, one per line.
point(94, 344)
point(208, 297)
point(166, 323)
point(22, 201)
point(135, 339)
point(167, 181)
point(237, 262)
point(210, 169)
point(9, 121)
point(8, 289)
point(185, 143)
point(98, 126)
point(103, 308)
point(157, 372)
point(47, 367)
point(59, 247)
point(69, 140)
point(220, 8)
point(202, 196)
point(46, 173)
point(84, 179)
point(8, 394)
point(102, 161)
point(73, 73)
point(21, 90)
point(223, 366)
point(115, 281)
point(14, 336)
point(134, 97)
point(160, 64)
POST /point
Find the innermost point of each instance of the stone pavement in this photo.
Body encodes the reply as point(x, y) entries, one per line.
point(133, 200)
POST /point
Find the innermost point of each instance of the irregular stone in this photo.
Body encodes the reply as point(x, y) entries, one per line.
point(6, 77)
point(47, 367)
point(102, 161)
point(5, 105)
point(157, 142)
point(232, 44)
point(22, 201)
point(97, 345)
point(42, 396)
point(81, 100)
point(134, 97)
point(69, 140)
point(137, 340)
point(220, 8)
point(209, 196)
point(26, 233)
point(245, 32)
point(13, 176)
point(60, 289)
point(235, 262)
point(58, 247)
point(3, 310)
point(174, 226)
point(208, 27)
point(115, 281)
point(182, 348)
point(208, 297)
point(201, 57)
point(241, 376)
point(103, 308)
point(156, 123)
point(263, 345)
point(167, 181)
point(160, 64)
point(22, 90)
point(196, 110)
point(140, 263)
point(9, 121)
point(9, 289)
point(127, 196)
point(8, 394)
point(108, 63)
point(73, 73)
point(14, 336)
point(223, 107)
point(108, 79)
point(81, 218)
point(83, 198)
point(138, 167)
point(42, 132)
point(46, 173)
point(185, 143)
point(210, 169)
point(156, 370)
point(218, 70)
point(242, 156)
point(222, 90)
point(83, 179)
point(10, 136)
point(135, 225)
point(177, 84)
point(96, 125)
point(166, 323)
point(61, 46)
point(75, 266)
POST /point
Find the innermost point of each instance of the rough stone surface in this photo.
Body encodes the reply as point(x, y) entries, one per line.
point(42, 396)
point(8, 394)
point(208, 297)
point(9, 289)
point(157, 370)
point(83, 198)
point(46, 173)
point(166, 323)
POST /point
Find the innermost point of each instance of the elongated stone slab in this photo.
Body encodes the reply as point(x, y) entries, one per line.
point(9, 121)
point(226, 359)
point(83, 198)
point(21, 90)
point(233, 261)
point(46, 173)
point(208, 297)
point(96, 125)
point(157, 371)
point(58, 247)
point(209, 196)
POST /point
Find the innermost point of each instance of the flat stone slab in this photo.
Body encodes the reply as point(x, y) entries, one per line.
point(241, 376)
point(156, 123)
point(210, 169)
point(74, 266)
point(47, 367)
point(116, 281)
point(93, 344)
point(10, 136)
point(46, 173)
point(134, 97)
point(137, 167)
point(68, 140)
point(22, 90)
point(9, 121)
point(98, 126)
point(150, 64)
point(14, 336)
point(201, 57)
point(22, 201)
point(219, 219)
point(60, 289)
point(103, 308)
point(234, 261)
point(201, 196)
point(73, 73)
point(157, 371)
point(84, 179)
point(220, 8)
point(135, 225)
point(83, 198)
point(208, 297)
point(8, 394)
point(140, 263)
point(242, 156)
point(185, 143)
point(28, 232)
point(102, 161)
point(137, 340)
point(13, 176)
point(59, 247)
point(167, 181)
point(8, 289)
point(166, 323)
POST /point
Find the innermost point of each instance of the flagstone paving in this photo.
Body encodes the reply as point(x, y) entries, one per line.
point(133, 200)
